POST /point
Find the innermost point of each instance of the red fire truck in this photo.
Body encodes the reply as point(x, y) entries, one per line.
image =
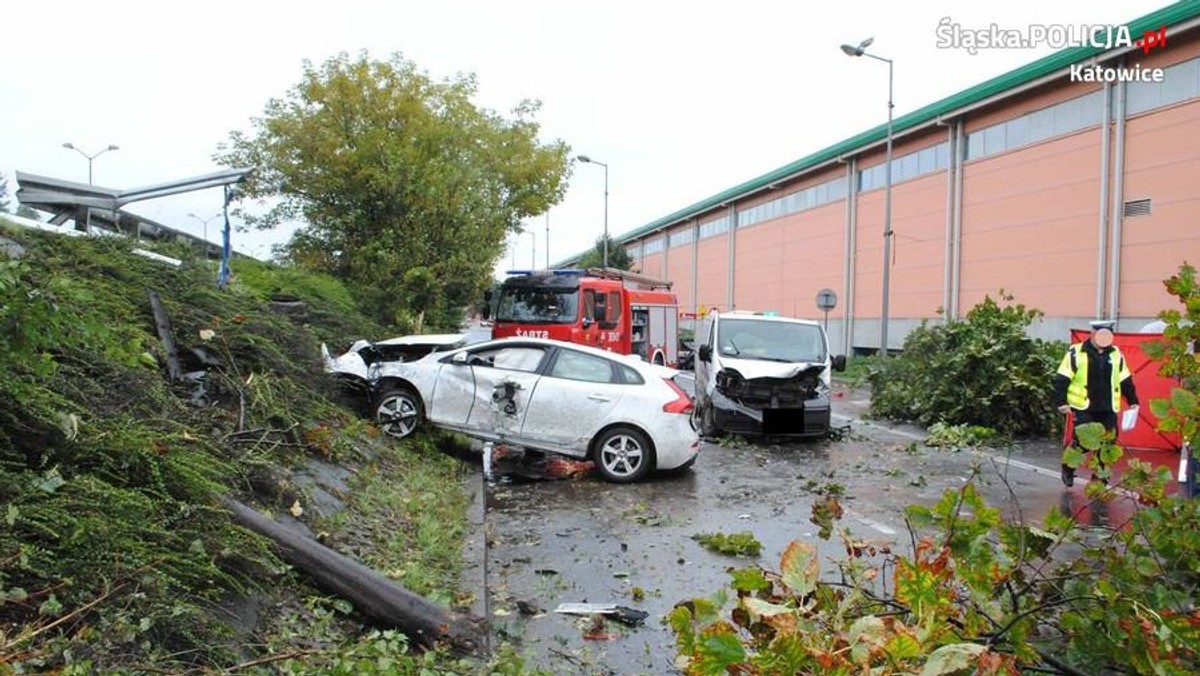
point(610, 309)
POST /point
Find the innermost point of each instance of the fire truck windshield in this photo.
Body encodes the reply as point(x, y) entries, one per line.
point(538, 306)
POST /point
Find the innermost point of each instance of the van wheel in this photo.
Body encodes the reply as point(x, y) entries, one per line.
point(398, 410)
point(623, 455)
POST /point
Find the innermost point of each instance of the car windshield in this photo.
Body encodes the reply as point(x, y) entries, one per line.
point(770, 341)
point(540, 306)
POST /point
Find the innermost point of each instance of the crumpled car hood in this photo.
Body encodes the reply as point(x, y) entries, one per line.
point(350, 362)
point(757, 368)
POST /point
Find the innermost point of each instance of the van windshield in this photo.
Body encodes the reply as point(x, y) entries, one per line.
point(770, 341)
point(538, 306)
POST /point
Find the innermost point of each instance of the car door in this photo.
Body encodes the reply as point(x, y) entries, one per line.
point(505, 378)
point(454, 392)
point(573, 400)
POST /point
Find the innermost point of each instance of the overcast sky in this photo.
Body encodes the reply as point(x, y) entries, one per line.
point(681, 99)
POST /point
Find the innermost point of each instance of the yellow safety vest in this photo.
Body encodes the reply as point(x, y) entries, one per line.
point(1075, 366)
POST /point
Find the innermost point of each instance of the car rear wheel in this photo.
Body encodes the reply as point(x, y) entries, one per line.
point(398, 410)
point(623, 455)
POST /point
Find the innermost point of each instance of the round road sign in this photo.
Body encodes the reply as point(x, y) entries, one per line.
point(826, 299)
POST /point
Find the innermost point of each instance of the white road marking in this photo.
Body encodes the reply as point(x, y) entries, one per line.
point(885, 428)
point(872, 523)
point(1019, 464)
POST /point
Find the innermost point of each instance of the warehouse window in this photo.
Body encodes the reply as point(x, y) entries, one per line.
point(933, 158)
point(1180, 82)
point(680, 237)
point(808, 198)
point(1061, 118)
point(652, 246)
point(714, 227)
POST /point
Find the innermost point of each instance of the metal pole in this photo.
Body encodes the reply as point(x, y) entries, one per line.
point(547, 240)
point(887, 224)
point(89, 159)
point(532, 249)
point(606, 215)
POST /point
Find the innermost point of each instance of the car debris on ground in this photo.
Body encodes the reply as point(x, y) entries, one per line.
point(628, 616)
point(509, 463)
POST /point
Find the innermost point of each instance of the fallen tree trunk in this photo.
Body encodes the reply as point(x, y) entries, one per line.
point(374, 595)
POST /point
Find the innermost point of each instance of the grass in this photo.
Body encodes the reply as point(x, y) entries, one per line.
point(412, 502)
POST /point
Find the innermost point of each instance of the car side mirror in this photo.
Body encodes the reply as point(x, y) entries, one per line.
point(705, 353)
point(839, 362)
point(459, 358)
point(586, 322)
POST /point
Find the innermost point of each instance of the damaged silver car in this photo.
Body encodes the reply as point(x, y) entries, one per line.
point(763, 375)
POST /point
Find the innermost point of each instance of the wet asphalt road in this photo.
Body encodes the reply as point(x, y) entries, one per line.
point(583, 540)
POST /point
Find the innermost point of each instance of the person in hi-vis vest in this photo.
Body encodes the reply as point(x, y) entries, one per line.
point(1090, 382)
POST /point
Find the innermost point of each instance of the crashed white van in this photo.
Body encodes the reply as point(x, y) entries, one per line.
point(761, 374)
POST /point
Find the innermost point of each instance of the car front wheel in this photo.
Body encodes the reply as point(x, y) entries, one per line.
point(623, 455)
point(398, 410)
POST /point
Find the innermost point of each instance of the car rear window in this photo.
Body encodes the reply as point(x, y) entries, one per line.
point(630, 376)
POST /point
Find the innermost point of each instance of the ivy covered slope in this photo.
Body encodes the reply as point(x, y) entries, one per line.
point(114, 553)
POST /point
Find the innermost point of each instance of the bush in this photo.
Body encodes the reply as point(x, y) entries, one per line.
point(983, 370)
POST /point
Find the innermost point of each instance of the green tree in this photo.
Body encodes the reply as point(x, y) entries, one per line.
point(391, 171)
point(618, 257)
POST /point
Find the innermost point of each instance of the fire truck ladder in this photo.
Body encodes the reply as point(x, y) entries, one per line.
point(625, 276)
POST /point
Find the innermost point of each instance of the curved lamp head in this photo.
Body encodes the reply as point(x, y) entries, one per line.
point(69, 145)
point(583, 158)
point(113, 147)
point(861, 49)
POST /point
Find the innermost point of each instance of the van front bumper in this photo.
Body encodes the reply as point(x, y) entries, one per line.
point(811, 419)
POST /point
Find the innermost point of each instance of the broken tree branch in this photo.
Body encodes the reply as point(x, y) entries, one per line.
point(162, 323)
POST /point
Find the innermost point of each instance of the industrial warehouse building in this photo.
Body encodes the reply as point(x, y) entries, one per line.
point(1077, 198)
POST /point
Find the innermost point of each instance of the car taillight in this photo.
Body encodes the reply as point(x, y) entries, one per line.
point(682, 402)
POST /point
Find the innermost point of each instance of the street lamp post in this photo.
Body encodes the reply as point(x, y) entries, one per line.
point(91, 157)
point(204, 222)
point(861, 50)
point(588, 160)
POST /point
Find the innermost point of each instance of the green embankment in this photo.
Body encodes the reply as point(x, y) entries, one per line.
point(114, 554)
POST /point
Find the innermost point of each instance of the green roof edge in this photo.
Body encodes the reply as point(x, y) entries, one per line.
point(1167, 16)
